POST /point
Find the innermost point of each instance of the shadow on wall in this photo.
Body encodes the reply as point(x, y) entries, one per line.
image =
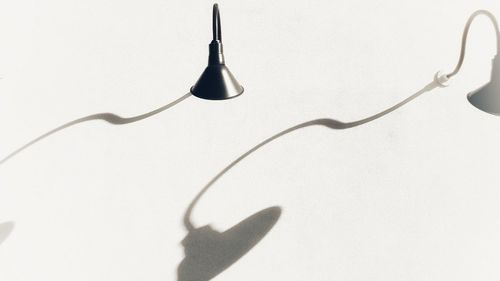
point(108, 117)
point(208, 252)
point(5, 230)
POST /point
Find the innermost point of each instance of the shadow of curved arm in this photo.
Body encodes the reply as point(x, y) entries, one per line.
point(5, 230)
point(209, 252)
point(329, 123)
point(108, 117)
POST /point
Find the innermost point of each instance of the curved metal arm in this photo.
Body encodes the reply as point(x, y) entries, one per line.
point(216, 28)
point(466, 33)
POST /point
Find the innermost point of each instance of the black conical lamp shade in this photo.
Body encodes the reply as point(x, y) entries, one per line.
point(487, 98)
point(216, 82)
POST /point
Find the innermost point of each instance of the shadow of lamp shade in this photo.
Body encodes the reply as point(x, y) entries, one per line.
point(210, 252)
point(216, 82)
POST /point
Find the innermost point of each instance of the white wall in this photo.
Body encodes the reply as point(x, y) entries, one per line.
point(411, 196)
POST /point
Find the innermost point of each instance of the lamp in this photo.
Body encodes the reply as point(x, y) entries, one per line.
point(216, 82)
point(486, 98)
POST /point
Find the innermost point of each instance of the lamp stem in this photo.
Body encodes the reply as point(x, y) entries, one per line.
point(466, 33)
point(216, 52)
point(216, 27)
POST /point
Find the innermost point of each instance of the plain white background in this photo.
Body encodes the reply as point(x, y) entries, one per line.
point(411, 196)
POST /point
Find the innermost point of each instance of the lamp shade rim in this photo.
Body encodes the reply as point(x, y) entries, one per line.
point(238, 93)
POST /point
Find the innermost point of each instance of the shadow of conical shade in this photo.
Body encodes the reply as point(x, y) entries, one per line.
point(209, 252)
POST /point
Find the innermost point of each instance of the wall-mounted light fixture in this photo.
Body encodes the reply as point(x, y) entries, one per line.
point(486, 98)
point(216, 82)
